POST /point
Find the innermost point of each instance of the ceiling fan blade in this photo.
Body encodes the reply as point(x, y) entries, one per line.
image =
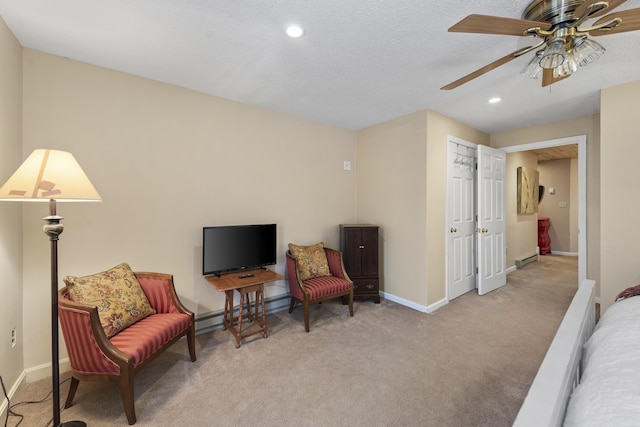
point(486, 68)
point(582, 9)
point(485, 24)
point(549, 79)
point(630, 22)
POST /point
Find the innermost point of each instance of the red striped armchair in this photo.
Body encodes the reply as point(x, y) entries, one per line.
point(318, 289)
point(94, 357)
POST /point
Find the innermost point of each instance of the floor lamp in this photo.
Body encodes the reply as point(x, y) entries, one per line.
point(50, 176)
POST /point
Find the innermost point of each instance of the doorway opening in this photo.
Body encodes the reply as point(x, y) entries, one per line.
point(581, 142)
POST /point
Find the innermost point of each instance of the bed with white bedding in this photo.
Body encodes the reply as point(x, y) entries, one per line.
point(589, 378)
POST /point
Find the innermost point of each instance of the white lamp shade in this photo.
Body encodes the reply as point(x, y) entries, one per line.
point(49, 174)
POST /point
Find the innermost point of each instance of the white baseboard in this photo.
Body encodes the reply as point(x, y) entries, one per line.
point(436, 305)
point(12, 391)
point(564, 253)
point(30, 375)
point(511, 269)
point(44, 371)
point(404, 302)
point(421, 308)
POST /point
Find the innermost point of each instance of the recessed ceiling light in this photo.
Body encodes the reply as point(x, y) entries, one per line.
point(495, 100)
point(294, 31)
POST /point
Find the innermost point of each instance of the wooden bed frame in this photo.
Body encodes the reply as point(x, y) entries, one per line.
point(560, 370)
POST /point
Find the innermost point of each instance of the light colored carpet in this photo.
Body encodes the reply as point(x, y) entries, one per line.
point(468, 364)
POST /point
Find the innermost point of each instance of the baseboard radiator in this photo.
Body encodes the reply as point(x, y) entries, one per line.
point(524, 261)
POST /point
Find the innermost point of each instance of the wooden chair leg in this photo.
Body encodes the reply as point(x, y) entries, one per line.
point(351, 303)
point(306, 315)
point(73, 387)
point(126, 389)
point(191, 342)
point(292, 305)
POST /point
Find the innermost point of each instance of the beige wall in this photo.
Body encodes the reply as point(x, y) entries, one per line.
point(522, 229)
point(402, 187)
point(11, 156)
point(562, 176)
point(586, 125)
point(574, 197)
point(168, 161)
point(619, 154)
point(391, 188)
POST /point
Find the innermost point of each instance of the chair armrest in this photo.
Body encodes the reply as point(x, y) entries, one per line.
point(296, 289)
point(161, 292)
point(336, 264)
point(89, 349)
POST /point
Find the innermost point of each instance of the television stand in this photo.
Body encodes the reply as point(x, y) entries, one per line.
point(245, 284)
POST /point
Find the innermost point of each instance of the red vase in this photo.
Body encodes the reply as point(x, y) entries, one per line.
point(544, 242)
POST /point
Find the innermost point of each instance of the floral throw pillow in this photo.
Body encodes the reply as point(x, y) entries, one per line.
point(628, 293)
point(310, 260)
point(116, 292)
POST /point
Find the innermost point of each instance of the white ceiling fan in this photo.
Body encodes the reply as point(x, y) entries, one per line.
point(565, 40)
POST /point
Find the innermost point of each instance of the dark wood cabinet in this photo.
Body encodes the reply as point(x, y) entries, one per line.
point(359, 247)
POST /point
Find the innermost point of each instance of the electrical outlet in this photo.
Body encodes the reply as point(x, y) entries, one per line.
point(347, 165)
point(14, 339)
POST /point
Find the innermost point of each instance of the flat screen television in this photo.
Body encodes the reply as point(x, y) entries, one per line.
point(237, 247)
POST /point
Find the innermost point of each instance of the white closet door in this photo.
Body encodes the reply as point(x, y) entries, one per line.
point(461, 188)
point(491, 220)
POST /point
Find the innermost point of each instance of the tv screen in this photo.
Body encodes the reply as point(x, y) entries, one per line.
point(237, 247)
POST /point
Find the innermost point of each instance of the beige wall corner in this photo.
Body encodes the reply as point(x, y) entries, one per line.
point(522, 229)
point(562, 177)
point(619, 153)
point(402, 187)
point(11, 157)
point(391, 189)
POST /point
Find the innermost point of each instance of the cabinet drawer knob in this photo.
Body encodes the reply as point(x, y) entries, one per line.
point(361, 246)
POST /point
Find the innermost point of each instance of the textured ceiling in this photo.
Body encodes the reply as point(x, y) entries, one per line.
point(360, 62)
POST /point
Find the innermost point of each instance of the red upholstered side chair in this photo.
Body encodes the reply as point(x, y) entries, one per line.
point(95, 357)
point(319, 289)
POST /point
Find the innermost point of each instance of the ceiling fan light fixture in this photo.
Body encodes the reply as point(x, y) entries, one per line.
point(554, 54)
point(568, 67)
point(586, 51)
point(533, 69)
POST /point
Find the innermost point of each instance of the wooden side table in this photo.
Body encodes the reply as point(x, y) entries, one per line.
point(245, 282)
point(544, 242)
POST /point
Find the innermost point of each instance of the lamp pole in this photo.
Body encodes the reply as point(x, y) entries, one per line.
point(53, 228)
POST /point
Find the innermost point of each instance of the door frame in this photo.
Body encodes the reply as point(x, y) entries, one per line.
point(581, 141)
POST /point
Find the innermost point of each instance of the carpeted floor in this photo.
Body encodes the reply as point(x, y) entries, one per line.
point(468, 364)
